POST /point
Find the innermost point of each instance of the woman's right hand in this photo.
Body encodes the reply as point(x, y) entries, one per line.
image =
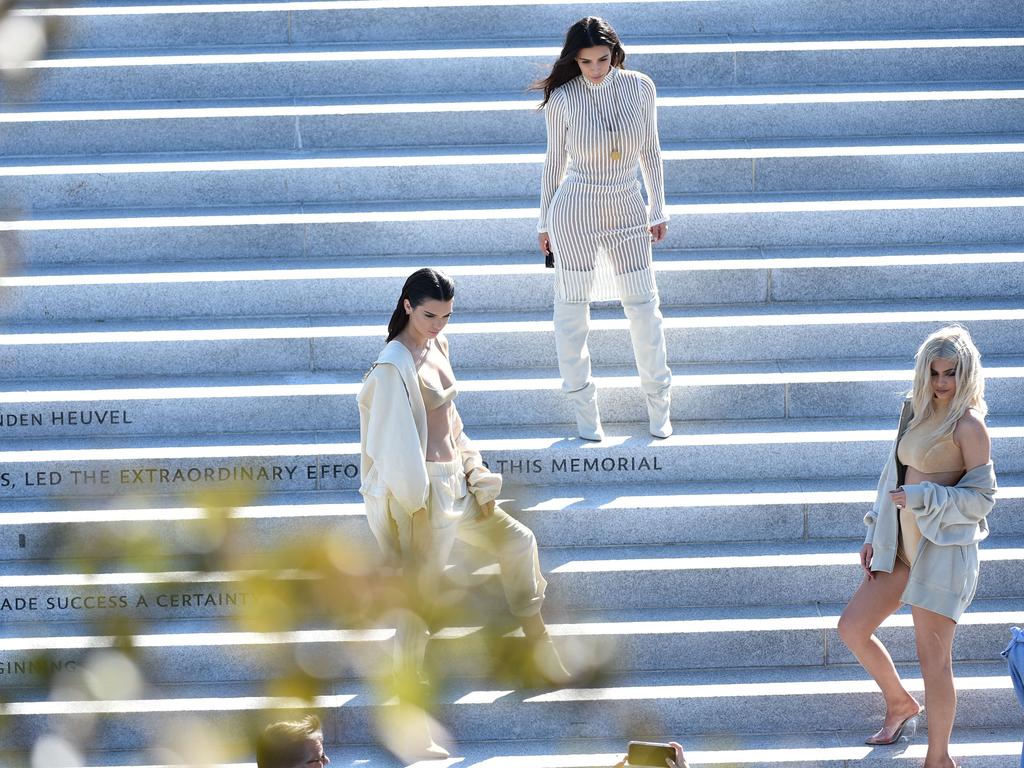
point(866, 553)
point(544, 242)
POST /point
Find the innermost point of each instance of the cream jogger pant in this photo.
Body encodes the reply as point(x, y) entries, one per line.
point(422, 543)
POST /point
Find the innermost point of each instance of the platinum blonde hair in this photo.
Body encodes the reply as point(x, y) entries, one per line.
point(950, 343)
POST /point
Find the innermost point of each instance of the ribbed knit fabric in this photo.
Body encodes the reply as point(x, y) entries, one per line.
point(591, 205)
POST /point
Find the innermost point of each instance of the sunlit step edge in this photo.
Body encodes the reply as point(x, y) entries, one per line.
point(520, 105)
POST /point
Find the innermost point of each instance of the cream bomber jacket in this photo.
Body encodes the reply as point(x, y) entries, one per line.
point(393, 435)
point(952, 522)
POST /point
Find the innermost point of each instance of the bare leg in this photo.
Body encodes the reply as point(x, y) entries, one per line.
point(874, 601)
point(934, 634)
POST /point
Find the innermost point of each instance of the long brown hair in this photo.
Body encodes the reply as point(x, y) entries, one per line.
point(585, 33)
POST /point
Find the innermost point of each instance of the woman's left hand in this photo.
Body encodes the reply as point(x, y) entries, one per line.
point(899, 497)
point(658, 232)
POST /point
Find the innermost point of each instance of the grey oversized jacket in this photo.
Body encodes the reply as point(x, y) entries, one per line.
point(952, 522)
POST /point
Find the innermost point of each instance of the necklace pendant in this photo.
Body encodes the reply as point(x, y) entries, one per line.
point(615, 154)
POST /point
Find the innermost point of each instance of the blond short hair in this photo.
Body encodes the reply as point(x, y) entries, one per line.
point(282, 744)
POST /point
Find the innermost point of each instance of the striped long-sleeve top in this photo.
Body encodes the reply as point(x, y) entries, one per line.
point(584, 123)
point(591, 205)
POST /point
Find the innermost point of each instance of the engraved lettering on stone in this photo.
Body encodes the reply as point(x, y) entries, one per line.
point(86, 602)
point(181, 475)
point(93, 475)
point(202, 599)
point(519, 466)
point(43, 478)
point(21, 419)
point(35, 666)
point(166, 600)
point(581, 464)
point(333, 471)
point(89, 418)
point(73, 418)
point(90, 476)
point(19, 604)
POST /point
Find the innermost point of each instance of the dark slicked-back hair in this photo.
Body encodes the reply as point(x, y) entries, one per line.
point(422, 285)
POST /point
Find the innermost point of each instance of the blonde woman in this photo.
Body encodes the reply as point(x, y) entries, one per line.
point(934, 494)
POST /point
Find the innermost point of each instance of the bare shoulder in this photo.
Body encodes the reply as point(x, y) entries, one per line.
point(971, 435)
point(442, 342)
point(971, 424)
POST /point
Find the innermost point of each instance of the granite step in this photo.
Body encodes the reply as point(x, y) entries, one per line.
point(481, 68)
point(303, 177)
point(822, 572)
point(838, 113)
point(984, 747)
point(184, 651)
point(759, 333)
point(680, 703)
point(508, 224)
point(172, 587)
point(99, 25)
point(767, 449)
point(784, 538)
point(213, 287)
point(221, 288)
point(47, 529)
point(327, 401)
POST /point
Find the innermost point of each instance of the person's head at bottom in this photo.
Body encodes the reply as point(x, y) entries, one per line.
point(298, 744)
point(678, 762)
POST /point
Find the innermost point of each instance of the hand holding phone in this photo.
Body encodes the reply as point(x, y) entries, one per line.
point(650, 753)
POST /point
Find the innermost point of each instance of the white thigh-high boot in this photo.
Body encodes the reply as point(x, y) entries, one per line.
point(572, 326)
point(648, 336)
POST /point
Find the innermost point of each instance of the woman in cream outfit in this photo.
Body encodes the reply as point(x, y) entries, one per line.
point(425, 485)
point(934, 494)
point(602, 126)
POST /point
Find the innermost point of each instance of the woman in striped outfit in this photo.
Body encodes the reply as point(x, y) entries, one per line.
point(602, 126)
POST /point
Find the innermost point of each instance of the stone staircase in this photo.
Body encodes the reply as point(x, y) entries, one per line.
point(215, 206)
